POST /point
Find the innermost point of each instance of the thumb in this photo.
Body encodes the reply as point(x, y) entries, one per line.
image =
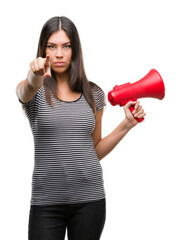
point(130, 103)
point(47, 65)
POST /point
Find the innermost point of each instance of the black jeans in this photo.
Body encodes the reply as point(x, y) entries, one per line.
point(83, 221)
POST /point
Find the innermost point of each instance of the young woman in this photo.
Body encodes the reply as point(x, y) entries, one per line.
point(65, 111)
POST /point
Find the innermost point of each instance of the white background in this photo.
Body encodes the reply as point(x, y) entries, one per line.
point(121, 41)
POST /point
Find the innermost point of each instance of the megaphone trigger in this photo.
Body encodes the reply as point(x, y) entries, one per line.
point(138, 119)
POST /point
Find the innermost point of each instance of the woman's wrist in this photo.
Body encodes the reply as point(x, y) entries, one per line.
point(34, 82)
point(129, 124)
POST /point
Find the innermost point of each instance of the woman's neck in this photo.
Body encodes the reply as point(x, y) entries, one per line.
point(64, 92)
point(62, 80)
point(63, 88)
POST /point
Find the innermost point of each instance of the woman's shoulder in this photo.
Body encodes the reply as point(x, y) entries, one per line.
point(36, 98)
point(99, 95)
point(95, 88)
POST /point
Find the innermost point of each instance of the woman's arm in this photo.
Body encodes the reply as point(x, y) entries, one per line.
point(40, 68)
point(107, 144)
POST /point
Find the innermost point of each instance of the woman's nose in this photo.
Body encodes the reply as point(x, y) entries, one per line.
point(59, 53)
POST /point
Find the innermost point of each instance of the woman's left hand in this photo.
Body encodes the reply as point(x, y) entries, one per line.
point(137, 113)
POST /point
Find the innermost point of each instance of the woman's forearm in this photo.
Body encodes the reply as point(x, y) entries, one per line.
point(108, 143)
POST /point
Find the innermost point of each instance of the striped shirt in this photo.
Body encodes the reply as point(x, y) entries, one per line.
point(66, 168)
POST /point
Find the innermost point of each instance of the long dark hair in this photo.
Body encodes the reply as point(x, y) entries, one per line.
point(78, 81)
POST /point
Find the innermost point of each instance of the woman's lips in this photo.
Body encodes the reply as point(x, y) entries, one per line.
point(59, 63)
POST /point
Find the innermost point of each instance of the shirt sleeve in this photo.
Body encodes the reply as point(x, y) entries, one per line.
point(31, 102)
point(31, 107)
point(100, 98)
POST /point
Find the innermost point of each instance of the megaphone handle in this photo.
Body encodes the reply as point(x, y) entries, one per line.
point(138, 119)
point(131, 108)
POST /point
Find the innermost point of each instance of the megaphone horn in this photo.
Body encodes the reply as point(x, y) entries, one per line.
point(149, 86)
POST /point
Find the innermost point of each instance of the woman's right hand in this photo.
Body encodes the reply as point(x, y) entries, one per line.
point(41, 67)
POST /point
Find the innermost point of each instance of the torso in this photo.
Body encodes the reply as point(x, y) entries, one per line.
point(66, 168)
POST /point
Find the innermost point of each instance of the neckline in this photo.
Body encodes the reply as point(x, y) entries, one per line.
point(71, 101)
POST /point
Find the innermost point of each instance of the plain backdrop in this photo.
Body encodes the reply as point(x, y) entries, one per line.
point(121, 42)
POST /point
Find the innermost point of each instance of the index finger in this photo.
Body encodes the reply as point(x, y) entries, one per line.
point(47, 60)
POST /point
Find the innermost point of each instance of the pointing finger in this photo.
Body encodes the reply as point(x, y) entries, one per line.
point(47, 61)
point(47, 73)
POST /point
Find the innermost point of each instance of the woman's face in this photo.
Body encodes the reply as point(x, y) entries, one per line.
point(60, 51)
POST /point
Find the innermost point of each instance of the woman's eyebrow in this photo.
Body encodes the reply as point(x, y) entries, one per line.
point(51, 43)
point(66, 43)
point(56, 44)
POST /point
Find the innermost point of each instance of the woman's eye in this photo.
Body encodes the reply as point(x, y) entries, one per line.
point(67, 46)
point(51, 46)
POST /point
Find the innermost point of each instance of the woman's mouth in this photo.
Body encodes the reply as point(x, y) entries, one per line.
point(59, 63)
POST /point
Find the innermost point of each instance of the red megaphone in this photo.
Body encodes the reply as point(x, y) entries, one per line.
point(151, 85)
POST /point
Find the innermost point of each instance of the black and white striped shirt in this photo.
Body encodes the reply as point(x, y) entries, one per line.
point(66, 168)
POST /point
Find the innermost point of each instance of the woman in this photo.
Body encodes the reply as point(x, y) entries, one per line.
point(65, 111)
